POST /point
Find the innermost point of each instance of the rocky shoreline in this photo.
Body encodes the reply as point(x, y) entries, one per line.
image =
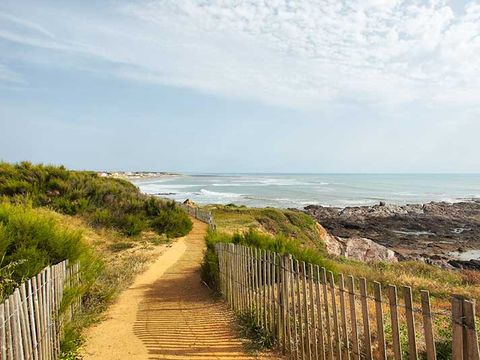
point(437, 232)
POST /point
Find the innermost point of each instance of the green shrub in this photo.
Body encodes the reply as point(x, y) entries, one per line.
point(171, 221)
point(30, 240)
point(105, 202)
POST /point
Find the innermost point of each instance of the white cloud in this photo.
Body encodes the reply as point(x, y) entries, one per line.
point(293, 53)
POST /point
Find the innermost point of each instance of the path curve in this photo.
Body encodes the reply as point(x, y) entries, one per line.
point(167, 313)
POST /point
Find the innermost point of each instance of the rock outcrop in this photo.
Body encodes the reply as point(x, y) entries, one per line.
point(356, 248)
point(426, 232)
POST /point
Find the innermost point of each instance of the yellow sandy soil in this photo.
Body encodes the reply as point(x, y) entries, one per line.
point(168, 314)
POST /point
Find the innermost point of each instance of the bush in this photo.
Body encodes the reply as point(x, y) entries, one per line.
point(171, 221)
point(30, 240)
point(104, 202)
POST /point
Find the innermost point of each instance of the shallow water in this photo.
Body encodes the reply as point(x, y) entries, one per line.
point(299, 190)
point(466, 255)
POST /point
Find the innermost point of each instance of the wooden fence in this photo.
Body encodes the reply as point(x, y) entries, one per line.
point(313, 314)
point(199, 214)
point(31, 318)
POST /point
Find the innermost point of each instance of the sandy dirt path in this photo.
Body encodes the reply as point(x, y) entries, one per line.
point(168, 314)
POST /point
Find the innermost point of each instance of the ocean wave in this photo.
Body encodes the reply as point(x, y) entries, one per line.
point(227, 184)
point(219, 194)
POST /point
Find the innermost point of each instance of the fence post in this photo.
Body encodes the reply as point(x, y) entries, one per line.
point(343, 314)
point(320, 314)
point(257, 295)
point(268, 292)
point(379, 315)
point(366, 322)
point(313, 313)
point(412, 342)
point(353, 318)
point(327, 314)
point(427, 326)
point(457, 323)
point(294, 306)
point(308, 339)
point(3, 335)
point(392, 297)
point(283, 303)
point(472, 351)
point(336, 328)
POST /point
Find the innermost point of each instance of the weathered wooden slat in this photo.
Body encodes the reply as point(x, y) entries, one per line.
point(301, 316)
point(377, 294)
point(283, 315)
point(412, 342)
point(321, 329)
point(31, 314)
point(264, 288)
point(367, 341)
point(25, 322)
point(336, 325)
point(472, 351)
point(327, 314)
point(353, 318)
point(270, 292)
point(8, 330)
point(3, 335)
point(293, 295)
point(457, 325)
point(313, 312)
point(343, 317)
point(257, 295)
point(392, 298)
point(427, 326)
point(15, 326)
point(306, 317)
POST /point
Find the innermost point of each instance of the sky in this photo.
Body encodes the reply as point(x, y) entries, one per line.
point(242, 86)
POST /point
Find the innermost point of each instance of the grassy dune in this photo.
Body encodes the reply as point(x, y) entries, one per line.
point(290, 231)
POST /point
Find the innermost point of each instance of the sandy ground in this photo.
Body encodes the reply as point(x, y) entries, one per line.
point(168, 314)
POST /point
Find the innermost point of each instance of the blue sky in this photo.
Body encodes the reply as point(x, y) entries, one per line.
point(242, 86)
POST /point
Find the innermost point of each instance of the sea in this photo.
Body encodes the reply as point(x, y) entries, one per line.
point(300, 190)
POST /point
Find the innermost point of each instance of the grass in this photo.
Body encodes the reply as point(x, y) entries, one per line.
point(258, 338)
point(272, 230)
point(291, 224)
point(31, 239)
point(290, 231)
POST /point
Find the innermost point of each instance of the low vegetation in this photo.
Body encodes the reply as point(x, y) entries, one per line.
point(104, 202)
point(274, 230)
point(31, 239)
point(291, 224)
point(49, 214)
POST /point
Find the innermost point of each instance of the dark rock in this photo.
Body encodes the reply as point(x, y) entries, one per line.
point(468, 265)
point(414, 231)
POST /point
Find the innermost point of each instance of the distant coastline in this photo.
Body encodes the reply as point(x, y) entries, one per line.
point(137, 175)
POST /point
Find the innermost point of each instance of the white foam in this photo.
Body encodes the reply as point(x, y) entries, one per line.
point(219, 194)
